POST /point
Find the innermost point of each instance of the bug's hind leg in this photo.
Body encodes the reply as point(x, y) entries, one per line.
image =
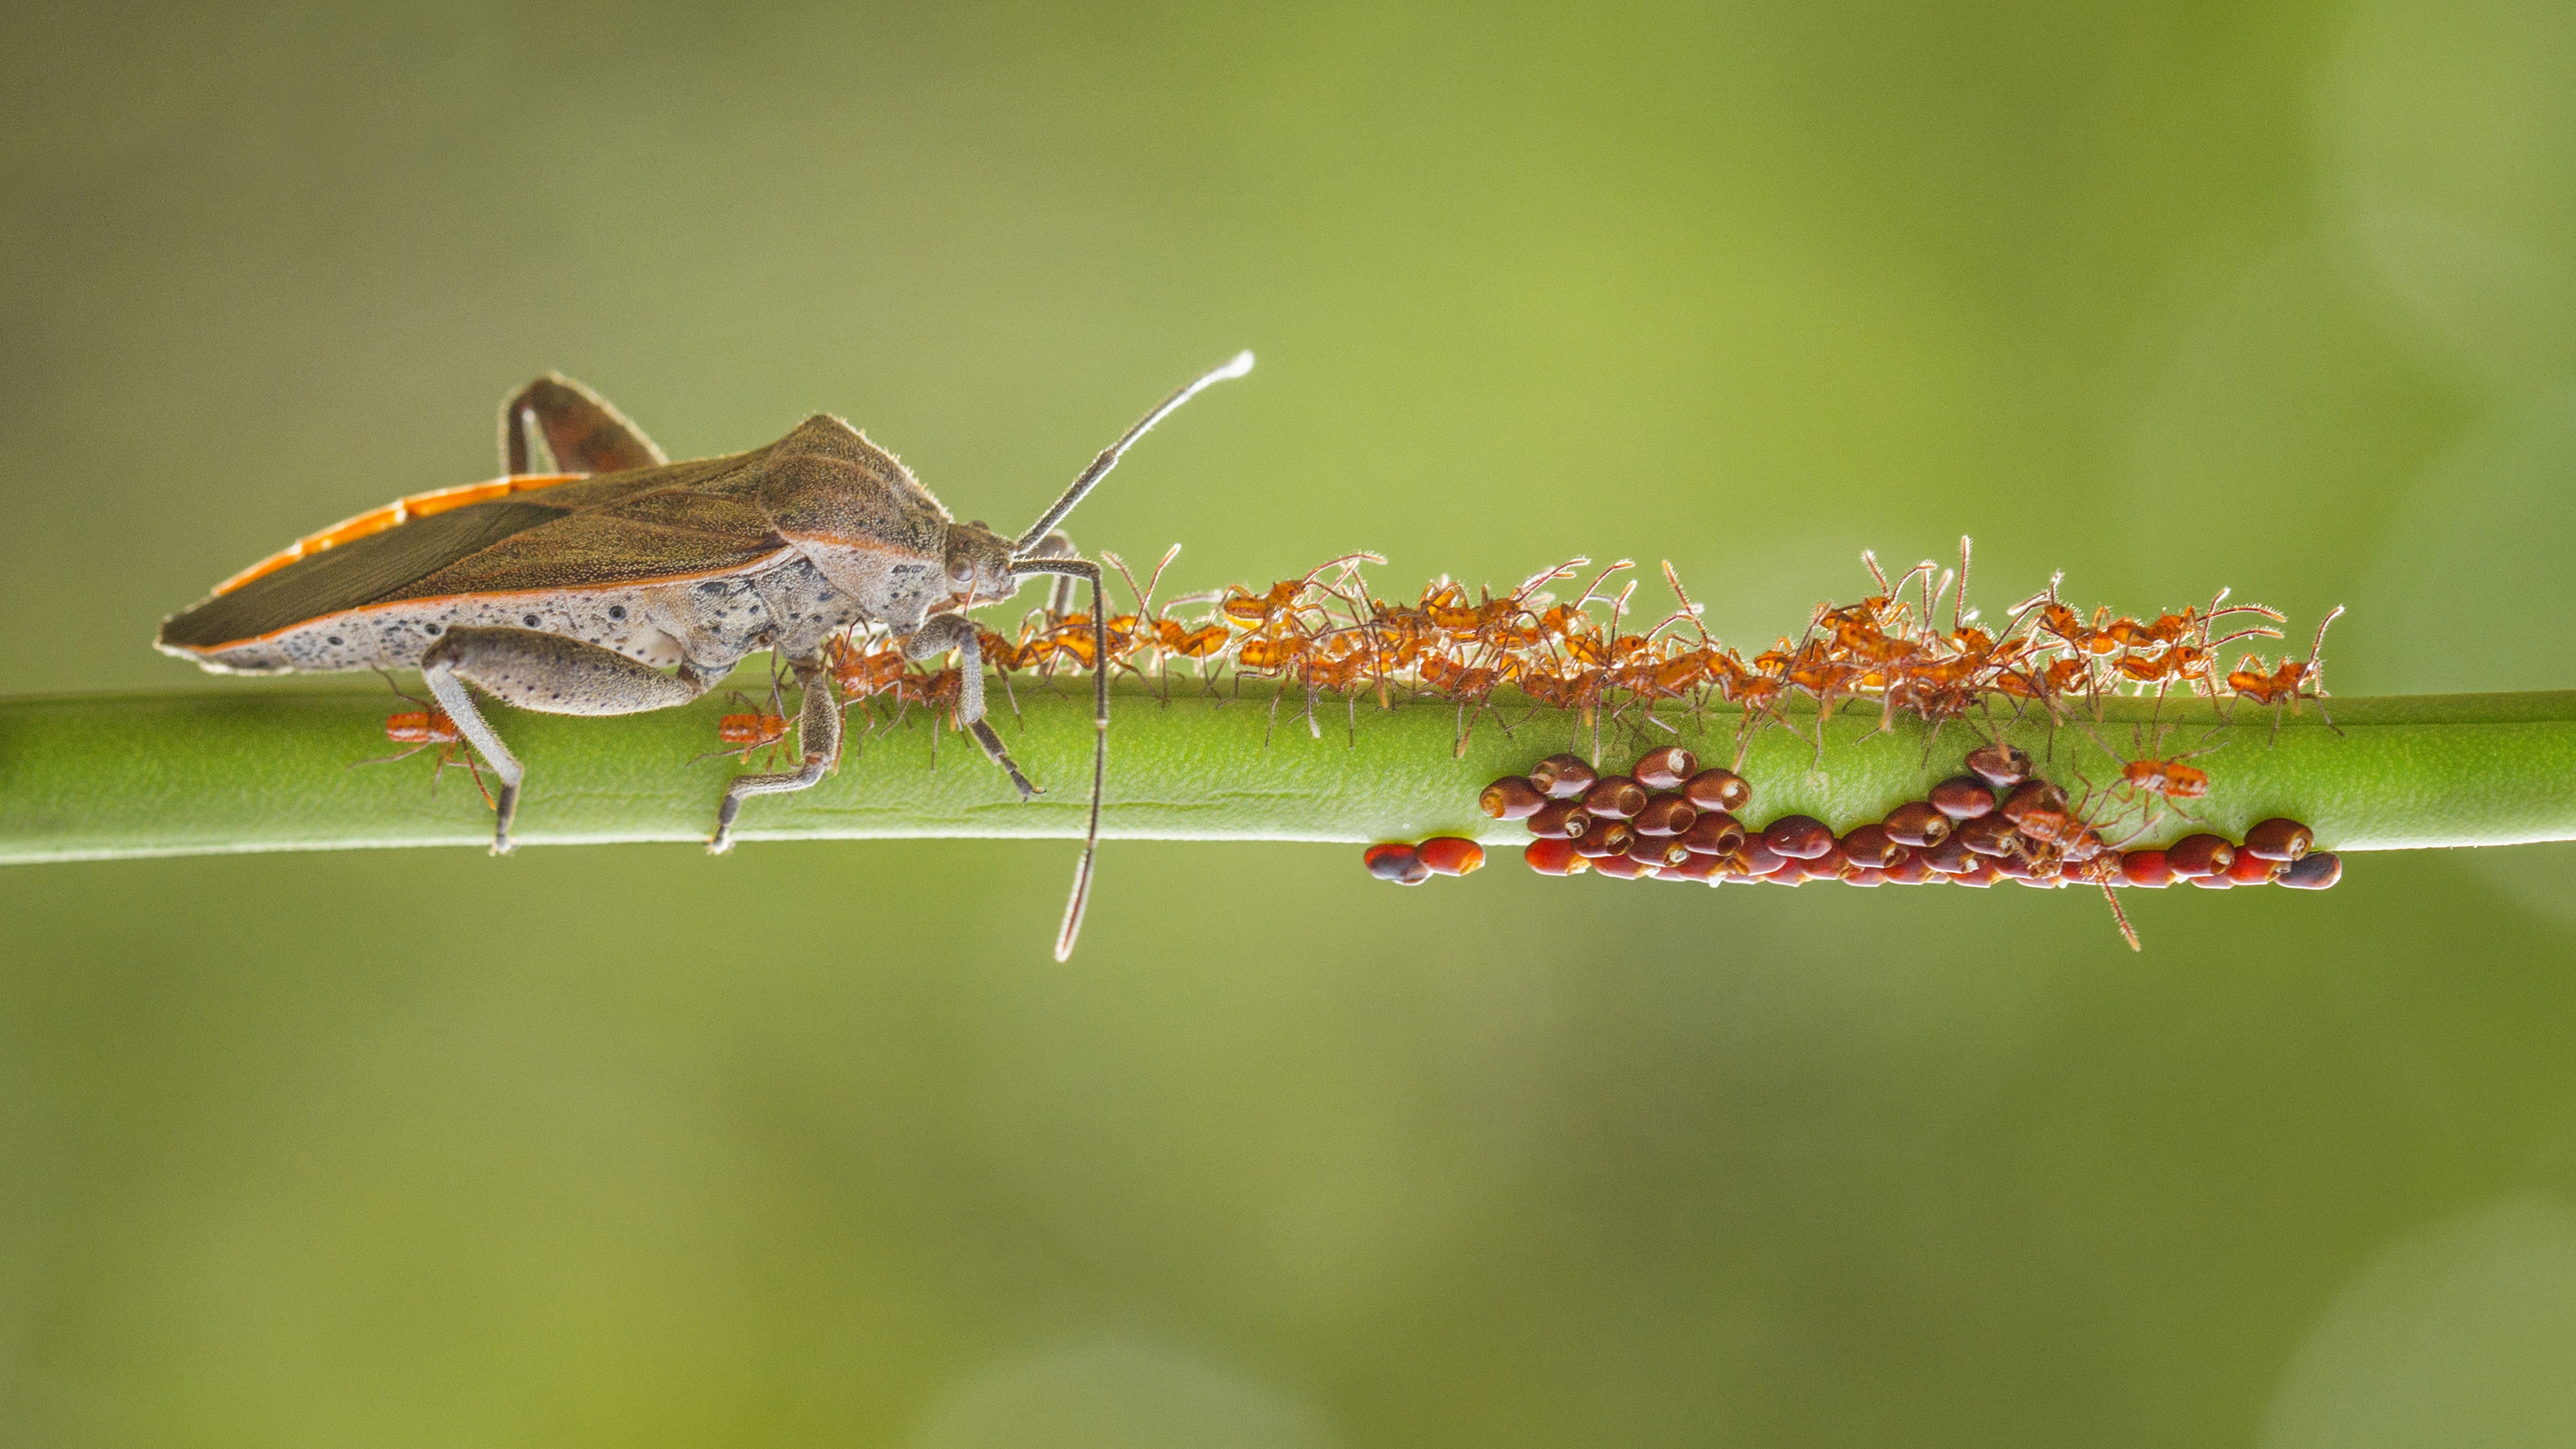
point(550, 675)
point(818, 736)
point(557, 421)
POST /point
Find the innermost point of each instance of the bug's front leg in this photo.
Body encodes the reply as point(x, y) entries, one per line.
point(1058, 544)
point(818, 736)
point(551, 675)
point(956, 631)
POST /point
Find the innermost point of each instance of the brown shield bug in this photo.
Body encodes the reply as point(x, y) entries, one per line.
point(598, 578)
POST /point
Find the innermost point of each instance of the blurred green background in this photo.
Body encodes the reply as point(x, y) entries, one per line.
point(813, 1145)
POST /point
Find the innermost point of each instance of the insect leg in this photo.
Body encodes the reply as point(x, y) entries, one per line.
point(555, 419)
point(1058, 544)
point(955, 631)
point(448, 688)
point(549, 674)
point(818, 737)
point(1085, 569)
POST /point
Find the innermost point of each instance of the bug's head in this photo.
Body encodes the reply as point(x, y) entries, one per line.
point(979, 565)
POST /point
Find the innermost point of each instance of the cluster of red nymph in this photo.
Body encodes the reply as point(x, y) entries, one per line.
point(1324, 633)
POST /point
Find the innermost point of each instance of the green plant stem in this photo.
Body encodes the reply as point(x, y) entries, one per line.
point(263, 765)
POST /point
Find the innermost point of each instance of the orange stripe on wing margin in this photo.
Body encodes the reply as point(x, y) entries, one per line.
point(393, 515)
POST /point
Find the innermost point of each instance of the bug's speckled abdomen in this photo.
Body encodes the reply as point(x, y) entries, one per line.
point(710, 623)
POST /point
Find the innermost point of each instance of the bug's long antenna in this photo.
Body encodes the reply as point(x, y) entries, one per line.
point(1108, 459)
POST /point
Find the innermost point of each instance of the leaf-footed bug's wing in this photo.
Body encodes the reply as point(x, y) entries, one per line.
point(581, 429)
point(607, 547)
point(826, 484)
point(351, 575)
point(386, 554)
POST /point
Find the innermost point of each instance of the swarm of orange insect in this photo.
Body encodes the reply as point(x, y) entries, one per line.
point(1913, 646)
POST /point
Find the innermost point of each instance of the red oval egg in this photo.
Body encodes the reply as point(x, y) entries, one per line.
point(1511, 798)
point(2279, 839)
point(2146, 868)
point(2198, 857)
point(1451, 855)
point(1553, 857)
point(1562, 777)
point(2315, 871)
point(1664, 768)
point(1397, 861)
point(1718, 790)
point(1798, 837)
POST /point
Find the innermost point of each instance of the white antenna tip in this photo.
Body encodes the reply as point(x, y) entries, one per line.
point(1241, 364)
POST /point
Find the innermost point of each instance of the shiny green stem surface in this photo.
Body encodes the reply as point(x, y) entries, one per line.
point(275, 766)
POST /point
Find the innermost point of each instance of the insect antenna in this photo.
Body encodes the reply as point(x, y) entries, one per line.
point(408, 697)
point(1548, 576)
point(1869, 557)
point(1145, 595)
point(1927, 569)
point(1592, 590)
point(2317, 653)
point(1690, 612)
point(1237, 366)
point(1958, 606)
point(427, 710)
point(395, 759)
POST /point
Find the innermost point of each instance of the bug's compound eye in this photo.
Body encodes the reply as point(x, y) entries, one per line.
point(979, 563)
